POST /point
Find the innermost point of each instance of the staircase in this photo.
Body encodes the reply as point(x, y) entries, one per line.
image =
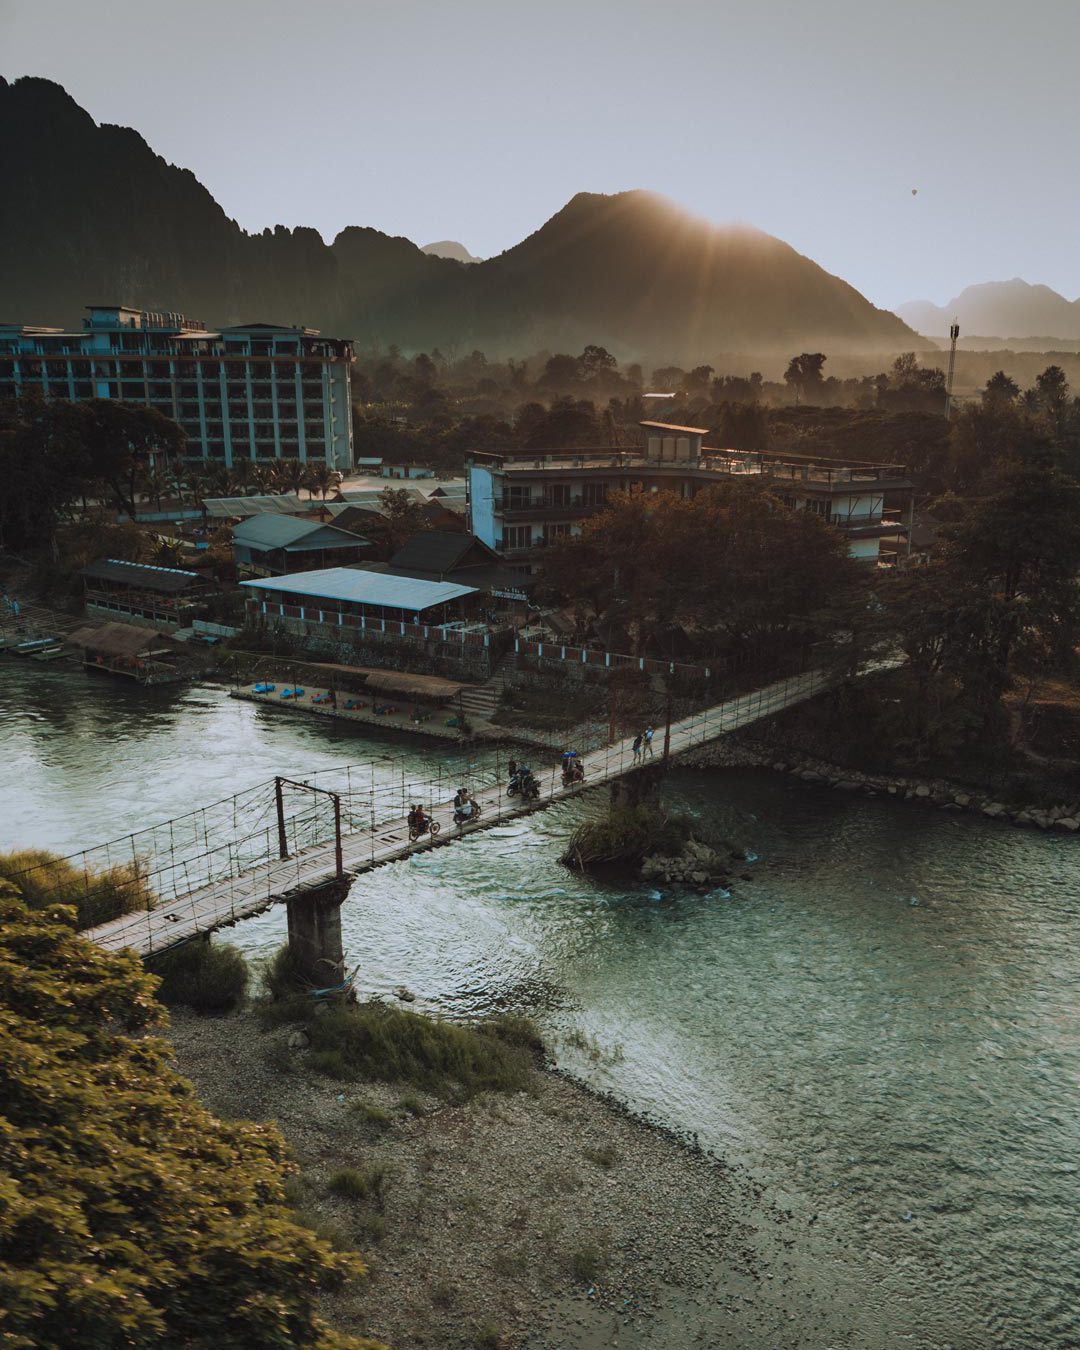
point(481, 700)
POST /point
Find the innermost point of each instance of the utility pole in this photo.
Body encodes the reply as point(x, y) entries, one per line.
point(954, 333)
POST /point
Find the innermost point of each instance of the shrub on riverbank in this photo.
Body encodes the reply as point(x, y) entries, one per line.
point(202, 975)
point(44, 879)
point(393, 1045)
point(626, 836)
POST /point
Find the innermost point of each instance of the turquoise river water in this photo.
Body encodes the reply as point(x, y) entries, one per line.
point(881, 1028)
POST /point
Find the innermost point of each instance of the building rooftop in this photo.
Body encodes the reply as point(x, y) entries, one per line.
point(359, 586)
point(167, 579)
point(671, 426)
point(272, 530)
point(283, 503)
point(440, 551)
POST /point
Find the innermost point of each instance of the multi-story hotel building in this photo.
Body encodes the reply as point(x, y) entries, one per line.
point(256, 391)
point(520, 501)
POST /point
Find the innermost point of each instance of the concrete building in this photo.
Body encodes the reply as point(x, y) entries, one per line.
point(521, 501)
point(257, 391)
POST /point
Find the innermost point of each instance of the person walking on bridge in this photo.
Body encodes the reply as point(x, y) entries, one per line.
point(637, 748)
point(648, 750)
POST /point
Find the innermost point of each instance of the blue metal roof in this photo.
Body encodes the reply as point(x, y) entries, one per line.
point(361, 587)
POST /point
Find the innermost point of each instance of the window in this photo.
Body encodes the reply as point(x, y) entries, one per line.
point(559, 494)
point(554, 532)
point(517, 536)
point(518, 498)
point(595, 494)
point(818, 508)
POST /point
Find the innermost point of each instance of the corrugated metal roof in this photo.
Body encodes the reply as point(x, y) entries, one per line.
point(671, 426)
point(167, 579)
point(285, 503)
point(365, 588)
point(441, 552)
point(273, 531)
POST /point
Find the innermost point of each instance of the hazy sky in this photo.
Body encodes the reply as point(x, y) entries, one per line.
point(812, 119)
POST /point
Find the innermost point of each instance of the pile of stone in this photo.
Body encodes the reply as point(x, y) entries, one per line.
point(696, 865)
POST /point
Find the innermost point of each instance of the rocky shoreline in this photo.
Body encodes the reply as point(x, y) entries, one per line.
point(542, 1220)
point(737, 752)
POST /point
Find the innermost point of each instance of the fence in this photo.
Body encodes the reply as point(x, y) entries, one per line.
point(590, 656)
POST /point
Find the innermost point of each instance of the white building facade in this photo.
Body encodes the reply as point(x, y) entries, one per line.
point(522, 501)
point(257, 391)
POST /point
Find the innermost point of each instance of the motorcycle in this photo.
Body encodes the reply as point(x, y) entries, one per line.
point(429, 826)
point(574, 773)
point(525, 783)
point(460, 818)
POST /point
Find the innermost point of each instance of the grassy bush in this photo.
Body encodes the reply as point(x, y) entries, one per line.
point(605, 1156)
point(586, 1262)
point(44, 879)
point(203, 976)
point(375, 1041)
point(354, 1183)
point(373, 1116)
point(280, 977)
point(515, 1030)
point(625, 836)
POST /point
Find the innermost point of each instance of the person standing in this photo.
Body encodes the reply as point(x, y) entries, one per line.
point(637, 748)
point(647, 749)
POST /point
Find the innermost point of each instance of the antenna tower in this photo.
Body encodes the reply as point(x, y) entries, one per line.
point(954, 333)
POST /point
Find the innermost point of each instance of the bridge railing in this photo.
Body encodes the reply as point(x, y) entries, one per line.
point(222, 862)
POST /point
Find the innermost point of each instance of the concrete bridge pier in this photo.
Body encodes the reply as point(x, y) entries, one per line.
point(315, 932)
point(640, 785)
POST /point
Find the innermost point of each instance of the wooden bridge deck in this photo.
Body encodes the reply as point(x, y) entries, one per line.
point(225, 902)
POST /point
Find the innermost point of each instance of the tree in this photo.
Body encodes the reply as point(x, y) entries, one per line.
point(568, 425)
point(804, 374)
point(119, 440)
point(290, 475)
point(597, 363)
point(404, 517)
point(561, 372)
point(1000, 388)
point(1053, 391)
point(129, 1216)
point(322, 478)
point(732, 566)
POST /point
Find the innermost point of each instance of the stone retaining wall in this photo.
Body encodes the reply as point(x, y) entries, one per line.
point(736, 752)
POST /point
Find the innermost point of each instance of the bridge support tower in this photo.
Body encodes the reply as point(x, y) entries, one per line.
point(641, 785)
point(315, 932)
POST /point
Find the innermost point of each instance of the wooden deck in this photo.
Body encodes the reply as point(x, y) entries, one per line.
point(226, 902)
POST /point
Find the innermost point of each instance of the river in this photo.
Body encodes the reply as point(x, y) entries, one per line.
point(881, 1026)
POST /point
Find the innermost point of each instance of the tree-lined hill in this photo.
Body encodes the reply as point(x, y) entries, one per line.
point(92, 214)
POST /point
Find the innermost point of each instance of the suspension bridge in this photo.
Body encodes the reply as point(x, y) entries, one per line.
point(288, 839)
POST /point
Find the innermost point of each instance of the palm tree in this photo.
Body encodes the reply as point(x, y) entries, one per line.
point(322, 478)
point(290, 475)
point(154, 484)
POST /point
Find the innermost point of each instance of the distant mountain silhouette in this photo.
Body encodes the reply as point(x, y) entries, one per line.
point(92, 215)
point(1005, 309)
point(450, 248)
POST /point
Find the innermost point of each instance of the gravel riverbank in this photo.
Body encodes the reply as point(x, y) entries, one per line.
point(545, 1220)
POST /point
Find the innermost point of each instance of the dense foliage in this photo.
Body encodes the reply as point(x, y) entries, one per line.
point(129, 1216)
point(729, 571)
point(205, 975)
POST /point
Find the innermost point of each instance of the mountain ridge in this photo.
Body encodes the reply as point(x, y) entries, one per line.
point(1005, 309)
point(94, 214)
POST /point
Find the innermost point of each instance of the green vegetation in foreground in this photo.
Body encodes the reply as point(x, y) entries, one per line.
point(203, 975)
point(392, 1045)
point(625, 836)
point(45, 879)
point(129, 1215)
